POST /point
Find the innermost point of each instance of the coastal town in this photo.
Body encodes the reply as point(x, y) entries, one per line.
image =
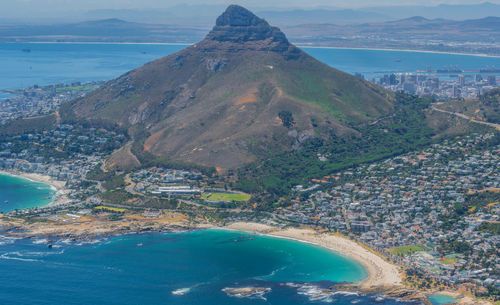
point(39, 100)
point(201, 153)
point(434, 212)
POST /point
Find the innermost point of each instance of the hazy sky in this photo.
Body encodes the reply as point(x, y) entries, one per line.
point(40, 9)
point(46, 5)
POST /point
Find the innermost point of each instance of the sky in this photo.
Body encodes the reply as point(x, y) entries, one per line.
point(47, 5)
point(40, 9)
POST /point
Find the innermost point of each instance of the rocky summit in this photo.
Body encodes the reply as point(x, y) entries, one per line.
point(239, 29)
point(233, 98)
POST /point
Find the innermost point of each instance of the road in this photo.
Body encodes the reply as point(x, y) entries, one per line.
point(463, 116)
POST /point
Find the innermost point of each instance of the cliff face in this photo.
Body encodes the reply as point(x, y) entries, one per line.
point(240, 93)
point(239, 29)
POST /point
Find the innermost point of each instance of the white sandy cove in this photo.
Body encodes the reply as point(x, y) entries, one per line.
point(380, 272)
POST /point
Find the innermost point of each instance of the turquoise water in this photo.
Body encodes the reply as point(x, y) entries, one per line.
point(441, 299)
point(63, 63)
point(20, 193)
point(147, 269)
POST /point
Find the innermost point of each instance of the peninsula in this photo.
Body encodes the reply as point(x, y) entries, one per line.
point(245, 131)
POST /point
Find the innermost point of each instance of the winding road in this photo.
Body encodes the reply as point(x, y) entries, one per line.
point(463, 116)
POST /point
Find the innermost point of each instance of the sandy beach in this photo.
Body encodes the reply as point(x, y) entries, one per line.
point(381, 274)
point(58, 186)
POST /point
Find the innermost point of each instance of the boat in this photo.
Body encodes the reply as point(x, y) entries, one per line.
point(27, 50)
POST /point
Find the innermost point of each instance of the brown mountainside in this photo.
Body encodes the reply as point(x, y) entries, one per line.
point(242, 91)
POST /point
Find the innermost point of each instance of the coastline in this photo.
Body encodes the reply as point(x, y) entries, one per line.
point(380, 273)
point(399, 50)
point(60, 192)
point(382, 276)
point(312, 46)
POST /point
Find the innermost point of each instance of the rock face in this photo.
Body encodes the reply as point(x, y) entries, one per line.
point(239, 29)
point(217, 102)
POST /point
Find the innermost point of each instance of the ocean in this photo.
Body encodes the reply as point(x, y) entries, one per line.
point(52, 63)
point(172, 268)
point(20, 193)
point(175, 268)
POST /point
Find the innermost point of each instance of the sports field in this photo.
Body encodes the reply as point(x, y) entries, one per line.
point(226, 197)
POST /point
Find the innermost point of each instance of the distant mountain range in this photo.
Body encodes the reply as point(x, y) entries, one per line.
point(107, 30)
point(468, 36)
point(202, 15)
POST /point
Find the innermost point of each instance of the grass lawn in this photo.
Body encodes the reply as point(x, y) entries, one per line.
point(448, 261)
point(112, 209)
point(225, 197)
point(406, 250)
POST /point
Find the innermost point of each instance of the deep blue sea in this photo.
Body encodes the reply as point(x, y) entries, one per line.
point(171, 268)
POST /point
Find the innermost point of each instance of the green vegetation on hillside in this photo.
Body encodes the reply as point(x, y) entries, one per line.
point(491, 100)
point(26, 125)
point(490, 227)
point(395, 135)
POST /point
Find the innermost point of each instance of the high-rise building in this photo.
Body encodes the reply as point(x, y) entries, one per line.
point(492, 80)
point(393, 80)
point(402, 78)
point(461, 80)
point(455, 92)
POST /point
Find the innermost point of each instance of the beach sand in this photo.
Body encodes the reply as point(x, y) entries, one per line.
point(381, 274)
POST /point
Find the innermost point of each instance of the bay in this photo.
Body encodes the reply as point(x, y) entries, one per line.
point(174, 268)
point(51, 63)
point(19, 193)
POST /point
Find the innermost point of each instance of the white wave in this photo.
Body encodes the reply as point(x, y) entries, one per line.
point(79, 242)
point(39, 241)
point(316, 293)
point(181, 291)
point(273, 273)
point(350, 293)
point(41, 254)
point(17, 258)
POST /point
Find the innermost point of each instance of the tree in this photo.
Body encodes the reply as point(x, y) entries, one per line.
point(286, 118)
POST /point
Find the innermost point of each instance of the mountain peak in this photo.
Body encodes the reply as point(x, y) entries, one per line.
point(239, 29)
point(236, 15)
